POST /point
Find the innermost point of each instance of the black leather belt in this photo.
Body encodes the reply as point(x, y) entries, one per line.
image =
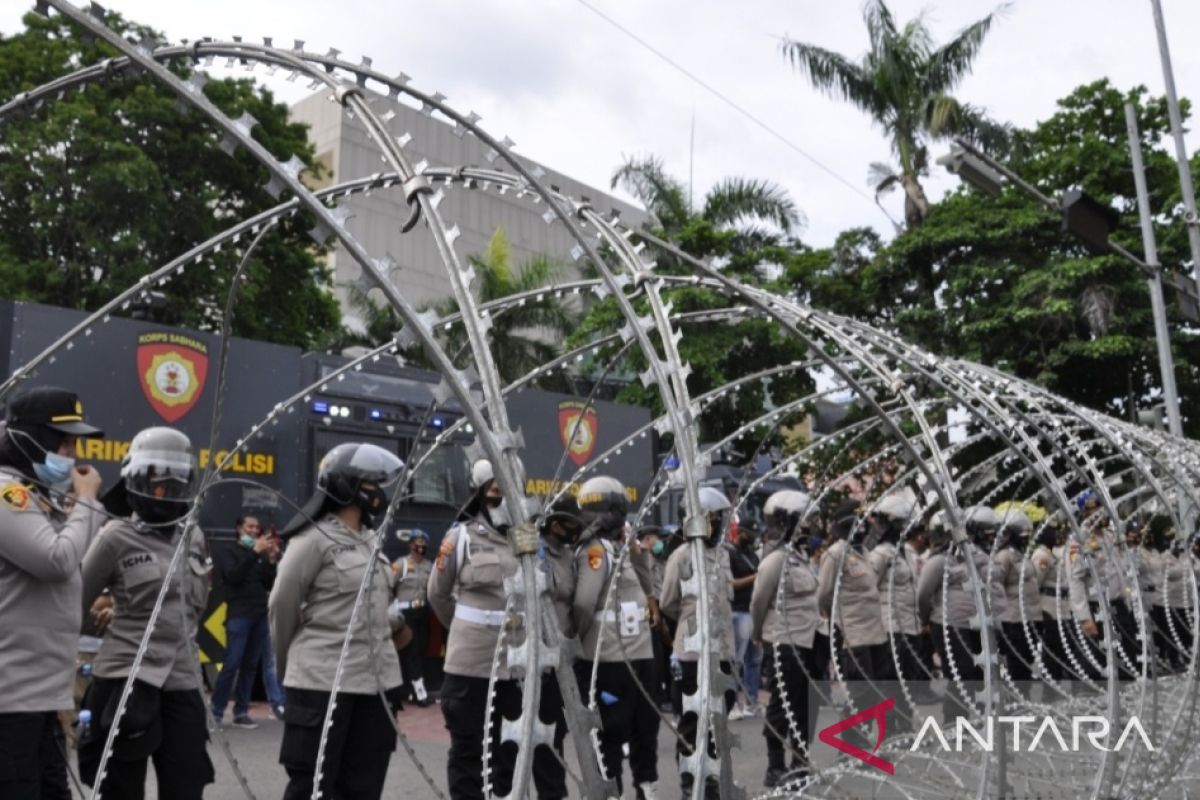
point(1049, 591)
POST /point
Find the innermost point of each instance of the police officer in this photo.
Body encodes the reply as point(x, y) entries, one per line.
point(412, 581)
point(891, 520)
point(859, 639)
point(164, 717)
point(1174, 587)
point(41, 549)
point(1088, 591)
point(561, 529)
point(328, 550)
point(1022, 597)
point(786, 622)
point(955, 615)
point(719, 578)
point(617, 636)
point(466, 591)
point(1050, 570)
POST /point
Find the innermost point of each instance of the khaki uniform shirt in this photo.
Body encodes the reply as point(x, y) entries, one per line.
point(626, 622)
point(1084, 589)
point(40, 589)
point(1175, 580)
point(412, 581)
point(791, 619)
point(559, 566)
point(897, 588)
point(311, 604)
point(1052, 580)
point(466, 590)
point(133, 564)
point(958, 608)
point(682, 607)
point(858, 604)
point(1148, 570)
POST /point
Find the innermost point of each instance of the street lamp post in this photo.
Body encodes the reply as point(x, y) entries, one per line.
point(1092, 222)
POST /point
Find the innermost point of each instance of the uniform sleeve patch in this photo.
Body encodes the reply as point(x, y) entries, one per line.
point(444, 552)
point(595, 555)
point(15, 496)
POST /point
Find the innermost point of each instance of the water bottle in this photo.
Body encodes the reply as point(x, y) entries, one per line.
point(84, 725)
point(608, 698)
point(85, 669)
point(676, 670)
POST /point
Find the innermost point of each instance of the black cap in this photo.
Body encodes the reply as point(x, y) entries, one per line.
point(53, 408)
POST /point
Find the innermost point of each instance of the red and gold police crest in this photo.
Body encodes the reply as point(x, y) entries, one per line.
point(171, 373)
point(578, 426)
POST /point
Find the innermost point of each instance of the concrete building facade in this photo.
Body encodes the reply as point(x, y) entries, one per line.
point(343, 146)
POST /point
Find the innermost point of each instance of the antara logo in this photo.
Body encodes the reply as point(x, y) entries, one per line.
point(1095, 730)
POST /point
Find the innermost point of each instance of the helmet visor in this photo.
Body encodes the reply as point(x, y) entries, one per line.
point(160, 475)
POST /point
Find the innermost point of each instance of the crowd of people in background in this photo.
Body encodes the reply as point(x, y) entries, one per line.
point(820, 589)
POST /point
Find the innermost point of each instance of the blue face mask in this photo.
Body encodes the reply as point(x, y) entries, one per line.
point(56, 469)
point(247, 540)
point(658, 548)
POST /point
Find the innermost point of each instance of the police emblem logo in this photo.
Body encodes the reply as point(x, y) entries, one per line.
point(172, 370)
point(595, 555)
point(578, 427)
point(15, 496)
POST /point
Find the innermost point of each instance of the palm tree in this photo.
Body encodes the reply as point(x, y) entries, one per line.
point(521, 337)
point(904, 82)
point(742, 204)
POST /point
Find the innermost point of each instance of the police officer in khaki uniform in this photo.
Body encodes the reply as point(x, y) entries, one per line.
point(41, 549)
point(955, 616)
point(1087, 591)
point(412, 582)
point(560, 531)
point(859, 638)
point(164, 717)
point(618, 636)
point(466, 591)
point(1174, 589)
point(719, 578)
point(1022, 598)
point(891, 520)
point(1050, 570)
point(786, 622)
point(328, 550)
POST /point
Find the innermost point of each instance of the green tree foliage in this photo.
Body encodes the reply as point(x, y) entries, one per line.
point(100, 187)
point(1010, 288)
point(521, 337)
point(741, 222)
point(905, 83)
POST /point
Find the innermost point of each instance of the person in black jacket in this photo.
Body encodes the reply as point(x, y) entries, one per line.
point(247, 570)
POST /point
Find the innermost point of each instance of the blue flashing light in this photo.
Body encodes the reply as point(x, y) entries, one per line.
point(376, 413)
point(438, 422)
point(320, 407)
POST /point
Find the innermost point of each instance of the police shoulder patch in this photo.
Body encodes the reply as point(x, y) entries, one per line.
point(15, 496)
point(595, 555)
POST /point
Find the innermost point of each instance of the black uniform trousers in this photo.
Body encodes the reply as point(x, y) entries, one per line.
point(1055, 658)
point(357, 752)
point(1125, 627)
point(862, 668)
point(688, 724)
point(789, 669)
point(464, 707)
point(958, 658)
point(32, 765)
point(166, 727)
point(412, 658)
point(1015, 645)
point(629, 719)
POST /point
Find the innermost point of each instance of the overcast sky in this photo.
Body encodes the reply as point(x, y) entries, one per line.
point(577, 94)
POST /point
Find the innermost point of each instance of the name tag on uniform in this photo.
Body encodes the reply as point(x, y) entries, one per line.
point(136, 560)
point(631, 619)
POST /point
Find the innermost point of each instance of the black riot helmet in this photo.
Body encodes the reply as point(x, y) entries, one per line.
point(159, 477)
point(603, 505)
point(565, 512)
point(982, 524)
point(353, 473)
point(1015, 527)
